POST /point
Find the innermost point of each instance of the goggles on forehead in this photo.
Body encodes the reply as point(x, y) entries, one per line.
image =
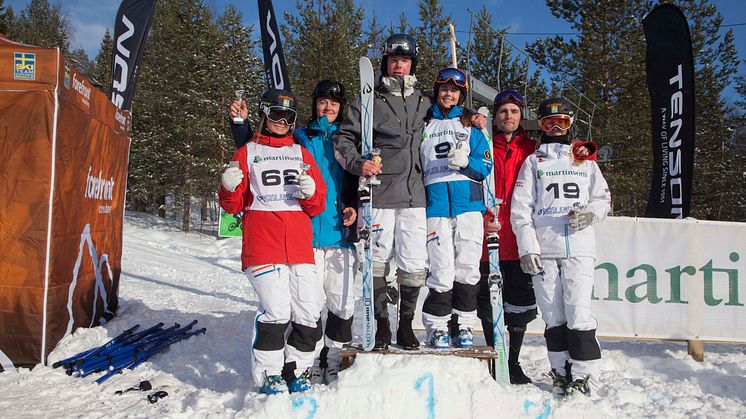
point(279, 114)
point(329, 88)
point(509, 96)
point(562, 122)
point(453, 75)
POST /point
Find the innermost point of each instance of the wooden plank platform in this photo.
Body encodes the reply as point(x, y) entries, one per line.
point(484, 353)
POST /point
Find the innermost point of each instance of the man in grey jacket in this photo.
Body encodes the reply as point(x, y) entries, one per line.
point(399, 222)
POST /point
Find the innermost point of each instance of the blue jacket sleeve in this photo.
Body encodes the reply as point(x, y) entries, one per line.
point(480, 163)
point(242, 133)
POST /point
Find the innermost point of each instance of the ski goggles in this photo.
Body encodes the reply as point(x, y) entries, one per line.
point(331, 89)
point(280, 114)
point(453, 75)
point(562, 122)
point(509, 96)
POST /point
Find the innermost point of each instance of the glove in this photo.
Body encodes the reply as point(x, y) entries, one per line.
point(580, 219)
point(458, 158)
point(231, 178)
point(531, 264)
point(307, 185)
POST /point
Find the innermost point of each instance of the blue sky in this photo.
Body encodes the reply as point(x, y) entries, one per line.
point(90, 18)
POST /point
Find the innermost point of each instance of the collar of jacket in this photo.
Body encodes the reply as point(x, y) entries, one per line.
point(518, 136)
point(398, 85)
point(263, 139)
point(322, 126)
point(437, 113)
point(556, 149)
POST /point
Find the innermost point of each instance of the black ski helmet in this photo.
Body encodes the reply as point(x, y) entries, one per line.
point(555, 106)
point(331, 89)
point(277, 99)
point(400, 44)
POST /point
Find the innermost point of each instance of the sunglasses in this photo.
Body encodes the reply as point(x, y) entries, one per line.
point(453, 75)
point(510, 96)
point(562, 122)
point(329, 88)
point(279, 114)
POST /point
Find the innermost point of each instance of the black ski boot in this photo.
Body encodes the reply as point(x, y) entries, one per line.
point(579, 386)
point(405, 335)
point(383, 335)
point(516, 374)
point(559, 383)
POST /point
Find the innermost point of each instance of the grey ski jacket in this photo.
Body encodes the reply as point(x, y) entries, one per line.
point(398, 120)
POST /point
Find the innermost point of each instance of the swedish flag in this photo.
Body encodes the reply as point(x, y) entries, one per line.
point(24, 66)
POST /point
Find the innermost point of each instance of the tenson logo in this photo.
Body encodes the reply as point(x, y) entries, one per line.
point(649, 290)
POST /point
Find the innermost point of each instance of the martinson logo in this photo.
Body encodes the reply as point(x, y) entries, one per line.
point(24, 66)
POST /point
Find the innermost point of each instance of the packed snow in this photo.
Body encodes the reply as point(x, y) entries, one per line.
point(170, 276)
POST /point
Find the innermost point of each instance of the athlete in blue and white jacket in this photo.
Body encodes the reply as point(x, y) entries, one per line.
point(455, 159)
point(333, 252)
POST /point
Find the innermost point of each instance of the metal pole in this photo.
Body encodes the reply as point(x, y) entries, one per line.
point(500, 62)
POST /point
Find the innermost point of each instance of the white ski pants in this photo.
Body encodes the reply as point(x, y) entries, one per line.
point(336, 269)
point(400, 232)
point(454, 247)
point(286, 293)
point(563, 295)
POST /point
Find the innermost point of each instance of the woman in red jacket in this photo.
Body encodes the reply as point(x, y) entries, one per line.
point(279, 187)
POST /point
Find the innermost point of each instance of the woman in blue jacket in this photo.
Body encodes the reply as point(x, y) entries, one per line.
point(333, 250)
point(455, 159)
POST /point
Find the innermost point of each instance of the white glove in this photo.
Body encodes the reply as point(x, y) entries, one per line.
point(307, 185)
point(531, 264)
point(458, 158)
point(231, 178)
point(580, 219)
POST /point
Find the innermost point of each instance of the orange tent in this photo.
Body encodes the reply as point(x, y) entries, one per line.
point(63, 168)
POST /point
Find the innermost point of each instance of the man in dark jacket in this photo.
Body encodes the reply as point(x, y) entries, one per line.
point(399, 223)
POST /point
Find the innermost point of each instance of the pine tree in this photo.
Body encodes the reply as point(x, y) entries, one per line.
point(433, 40)
point(43, 25)
point(503, 71)
point(6, 19)
point(101, 74)
point(324, 41)
point(80, 60)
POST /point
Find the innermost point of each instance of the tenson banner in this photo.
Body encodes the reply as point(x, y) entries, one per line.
point(130, 33)
point(670, 75)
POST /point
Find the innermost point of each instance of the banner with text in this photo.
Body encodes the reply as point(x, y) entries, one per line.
point(670, 75)
point(274, 58)
point(130, 33)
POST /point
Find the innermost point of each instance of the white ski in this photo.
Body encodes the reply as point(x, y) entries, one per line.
point(495, 281)
point(366, 201)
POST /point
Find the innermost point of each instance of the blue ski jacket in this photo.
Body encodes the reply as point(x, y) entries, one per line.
point(328, 229)
point(454, 197)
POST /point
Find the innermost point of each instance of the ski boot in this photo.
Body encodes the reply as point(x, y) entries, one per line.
point(273, 384)
point(516, 374)
point(383, 335)
point(465, 338)
point(405, 335)
point(579, 385)
point(559, 383)
point(301, 383)
point(331, 374)
point(316, 375)
point(440, 340)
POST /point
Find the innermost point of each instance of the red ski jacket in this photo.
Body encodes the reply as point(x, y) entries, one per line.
point(508, 158)
point(283, 237)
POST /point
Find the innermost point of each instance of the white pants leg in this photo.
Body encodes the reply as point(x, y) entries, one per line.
point(286, 293)
point(339, 267)
point(467, 246)
point(549, 292)
point(577, 276)
point(438, 307)
point(410, 236)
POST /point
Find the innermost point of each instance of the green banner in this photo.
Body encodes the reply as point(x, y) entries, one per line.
point(230, 224)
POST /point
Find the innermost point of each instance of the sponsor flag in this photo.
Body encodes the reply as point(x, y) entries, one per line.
point(274, 59)
point(130, 33)
point(670, 75)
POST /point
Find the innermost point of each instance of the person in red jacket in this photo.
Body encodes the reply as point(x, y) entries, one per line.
point(510, 147)
point(279, 187)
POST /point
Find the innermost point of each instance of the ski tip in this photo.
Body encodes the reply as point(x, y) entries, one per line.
point(365, 60)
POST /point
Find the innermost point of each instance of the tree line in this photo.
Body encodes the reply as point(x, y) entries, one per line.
point(196, 57)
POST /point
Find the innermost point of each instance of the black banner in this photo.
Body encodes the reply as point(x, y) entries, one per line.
point(670, 74)
point(274, 59)
point(130, 32)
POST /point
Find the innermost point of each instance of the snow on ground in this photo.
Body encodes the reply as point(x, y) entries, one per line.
point(169, 276)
